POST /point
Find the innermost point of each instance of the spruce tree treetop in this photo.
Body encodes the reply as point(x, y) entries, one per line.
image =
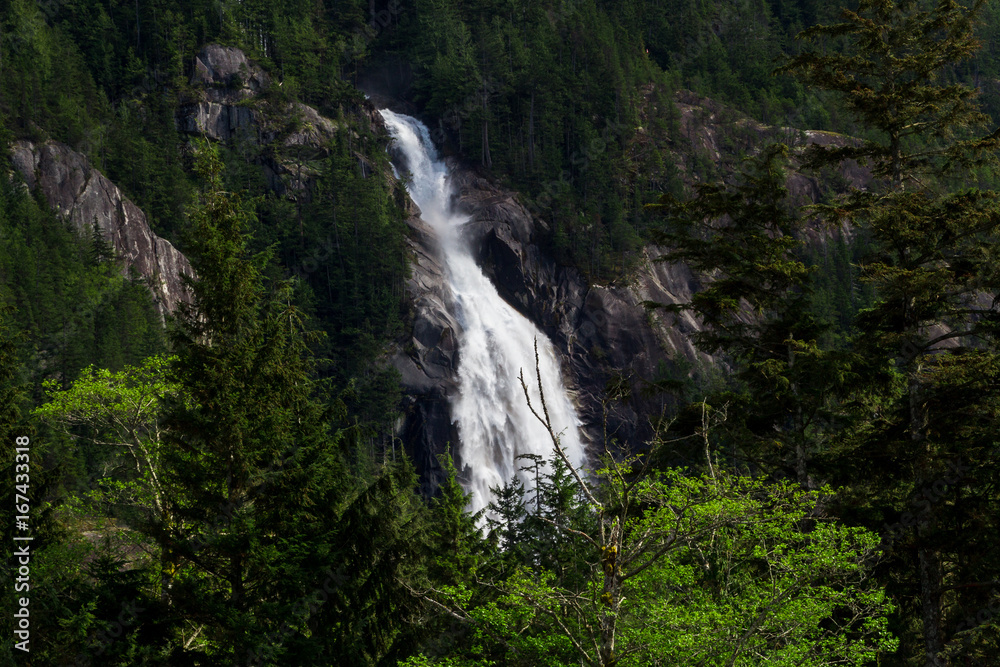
point(891, 74)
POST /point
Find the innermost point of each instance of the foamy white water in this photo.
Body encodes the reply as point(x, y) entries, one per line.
point(496, 343)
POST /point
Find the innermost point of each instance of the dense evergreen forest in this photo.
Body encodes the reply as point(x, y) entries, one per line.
point(225, 484)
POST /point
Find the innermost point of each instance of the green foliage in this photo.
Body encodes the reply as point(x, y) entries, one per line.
point(928, 337)
point(452, 533)
point(119, 415)
point(743, 237)
point(890, 78)
point(345, 247)
point(73, 305)
point(682, 570)
point(260, 567)
point(246, 427)
point(838, 292)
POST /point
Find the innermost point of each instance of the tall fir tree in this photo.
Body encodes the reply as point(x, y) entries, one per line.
point(284, 554)
point(745, 240)
point(927, 438)
point(247, 450)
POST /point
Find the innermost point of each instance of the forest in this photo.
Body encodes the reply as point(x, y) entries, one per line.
point(226, 482)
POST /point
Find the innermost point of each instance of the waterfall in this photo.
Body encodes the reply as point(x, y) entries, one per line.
point(496, 343)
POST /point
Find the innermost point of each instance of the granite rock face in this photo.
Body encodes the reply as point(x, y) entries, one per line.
point(226, 78)
point(427, 359)
point(82, 194)
point(227, 106)
point(227, 66)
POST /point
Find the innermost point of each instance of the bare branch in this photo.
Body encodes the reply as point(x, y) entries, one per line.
point(548, 427)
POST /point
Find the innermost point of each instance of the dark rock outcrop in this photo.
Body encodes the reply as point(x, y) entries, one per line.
point(604, 333)
point(228, 67)
point(79, 192)
point(427, 360)
point(226, 79)
point(707, 126)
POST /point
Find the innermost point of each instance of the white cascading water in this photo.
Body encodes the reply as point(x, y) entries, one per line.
point(496, 343)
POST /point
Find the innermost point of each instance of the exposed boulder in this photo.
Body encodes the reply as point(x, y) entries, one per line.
point(226, 79)
point(227, 66)
point(80, 193)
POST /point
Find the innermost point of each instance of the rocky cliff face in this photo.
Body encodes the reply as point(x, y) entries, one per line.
point(79, 192)
point(227, 105)
point(225, 78)
point(605, 334)
point(427, 359)
point(722, 135)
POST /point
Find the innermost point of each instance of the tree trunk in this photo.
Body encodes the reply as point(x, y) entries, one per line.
point(167, 569)
point(487, 158)
point(531, 133)
point(897, 166)
point(236, 580)
point(930, 594)
point(610, 597)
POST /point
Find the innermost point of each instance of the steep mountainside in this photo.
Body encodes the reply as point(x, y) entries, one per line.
point(608, 338)
point(605, 334)
point(80, 193)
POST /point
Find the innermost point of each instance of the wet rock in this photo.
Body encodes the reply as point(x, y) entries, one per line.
point(427, 358)
point(603, 332)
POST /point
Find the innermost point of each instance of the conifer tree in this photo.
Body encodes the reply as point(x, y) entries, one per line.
point(284, 554)
point(933, 329)
point(247, 452)
point(745, 239)
point(454, 535)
